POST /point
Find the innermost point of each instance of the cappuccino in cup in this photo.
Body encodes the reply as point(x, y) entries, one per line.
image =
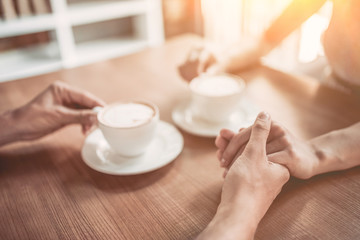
point(129, 127)
point(127, 115)
point(215, 98)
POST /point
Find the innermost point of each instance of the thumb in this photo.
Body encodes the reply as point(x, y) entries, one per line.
point(259, 134)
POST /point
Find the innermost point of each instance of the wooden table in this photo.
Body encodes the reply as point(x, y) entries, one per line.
point(47, 191)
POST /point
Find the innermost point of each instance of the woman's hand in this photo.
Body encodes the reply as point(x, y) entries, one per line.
point(54, 108)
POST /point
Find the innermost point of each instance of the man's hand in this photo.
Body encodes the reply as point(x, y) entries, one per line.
point(251, 185)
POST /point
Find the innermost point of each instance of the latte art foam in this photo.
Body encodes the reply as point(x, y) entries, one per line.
point(215, 85)
point(127, 114)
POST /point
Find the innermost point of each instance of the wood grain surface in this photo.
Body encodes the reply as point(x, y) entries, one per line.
point(48, 192)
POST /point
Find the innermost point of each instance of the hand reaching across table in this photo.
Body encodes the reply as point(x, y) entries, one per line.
point(333, 151)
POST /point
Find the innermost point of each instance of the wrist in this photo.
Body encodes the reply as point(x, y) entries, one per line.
point(236, 220)
point(326, 160)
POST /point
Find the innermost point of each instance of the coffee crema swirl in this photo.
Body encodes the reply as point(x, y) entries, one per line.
point(220, 85)
point(127, 114)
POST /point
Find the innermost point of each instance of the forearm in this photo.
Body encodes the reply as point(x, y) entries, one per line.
point(237, 220)
point(291, 18)
point(337, 150)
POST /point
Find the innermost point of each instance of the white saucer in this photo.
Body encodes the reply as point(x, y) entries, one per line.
point(243, 117)
point(165, 147)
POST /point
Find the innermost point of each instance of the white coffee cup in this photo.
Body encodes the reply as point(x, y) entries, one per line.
point(129, 126)
point(214, 98)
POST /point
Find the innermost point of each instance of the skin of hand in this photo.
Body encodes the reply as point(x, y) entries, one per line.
point(299, 156)
point(209, 60)
point(54, 108)
point(333, 151)
point(237, 57)
point(251, 185)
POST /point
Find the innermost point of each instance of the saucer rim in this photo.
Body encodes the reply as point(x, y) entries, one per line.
point(182, 107)
point(93, 166)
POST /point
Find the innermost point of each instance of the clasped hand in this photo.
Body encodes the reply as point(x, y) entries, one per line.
point(282, 147)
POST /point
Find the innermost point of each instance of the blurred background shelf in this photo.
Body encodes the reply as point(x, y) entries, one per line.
point(95, 11)
point(76, 32)
point(97, 50)
point(26, 25)
point(29, 61)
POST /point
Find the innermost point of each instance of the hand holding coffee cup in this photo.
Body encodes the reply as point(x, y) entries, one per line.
point(129, 127)
point(215, 97)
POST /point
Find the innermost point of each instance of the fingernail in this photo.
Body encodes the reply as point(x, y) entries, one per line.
point(264, 116)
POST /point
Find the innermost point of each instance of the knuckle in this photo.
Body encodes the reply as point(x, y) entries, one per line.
point(260, 125)
point(56, 87)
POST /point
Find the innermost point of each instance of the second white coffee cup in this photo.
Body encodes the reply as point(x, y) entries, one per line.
point(215, 98)
point(129, 126)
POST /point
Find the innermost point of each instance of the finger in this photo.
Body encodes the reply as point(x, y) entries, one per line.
point(258, 138)
point(241, 129)
point(83, 117)
point(219, 154)
point(71, 95)
point(279, 158)
point(237, 141)
point(205, 60)
point(230, 163)
point(277, 145)
point(221, 142)
point(227, 134)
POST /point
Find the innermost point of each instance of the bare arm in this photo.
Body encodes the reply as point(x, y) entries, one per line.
point(337, 150)
point(239, 57)
point(291, 18)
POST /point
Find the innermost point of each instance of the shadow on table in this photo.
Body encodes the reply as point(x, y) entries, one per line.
point(118, 184)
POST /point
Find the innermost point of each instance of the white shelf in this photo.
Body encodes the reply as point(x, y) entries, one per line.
point(95, 11)
point(28, 62)
point(26, 25)
point(84, 31)
point(92, 51)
